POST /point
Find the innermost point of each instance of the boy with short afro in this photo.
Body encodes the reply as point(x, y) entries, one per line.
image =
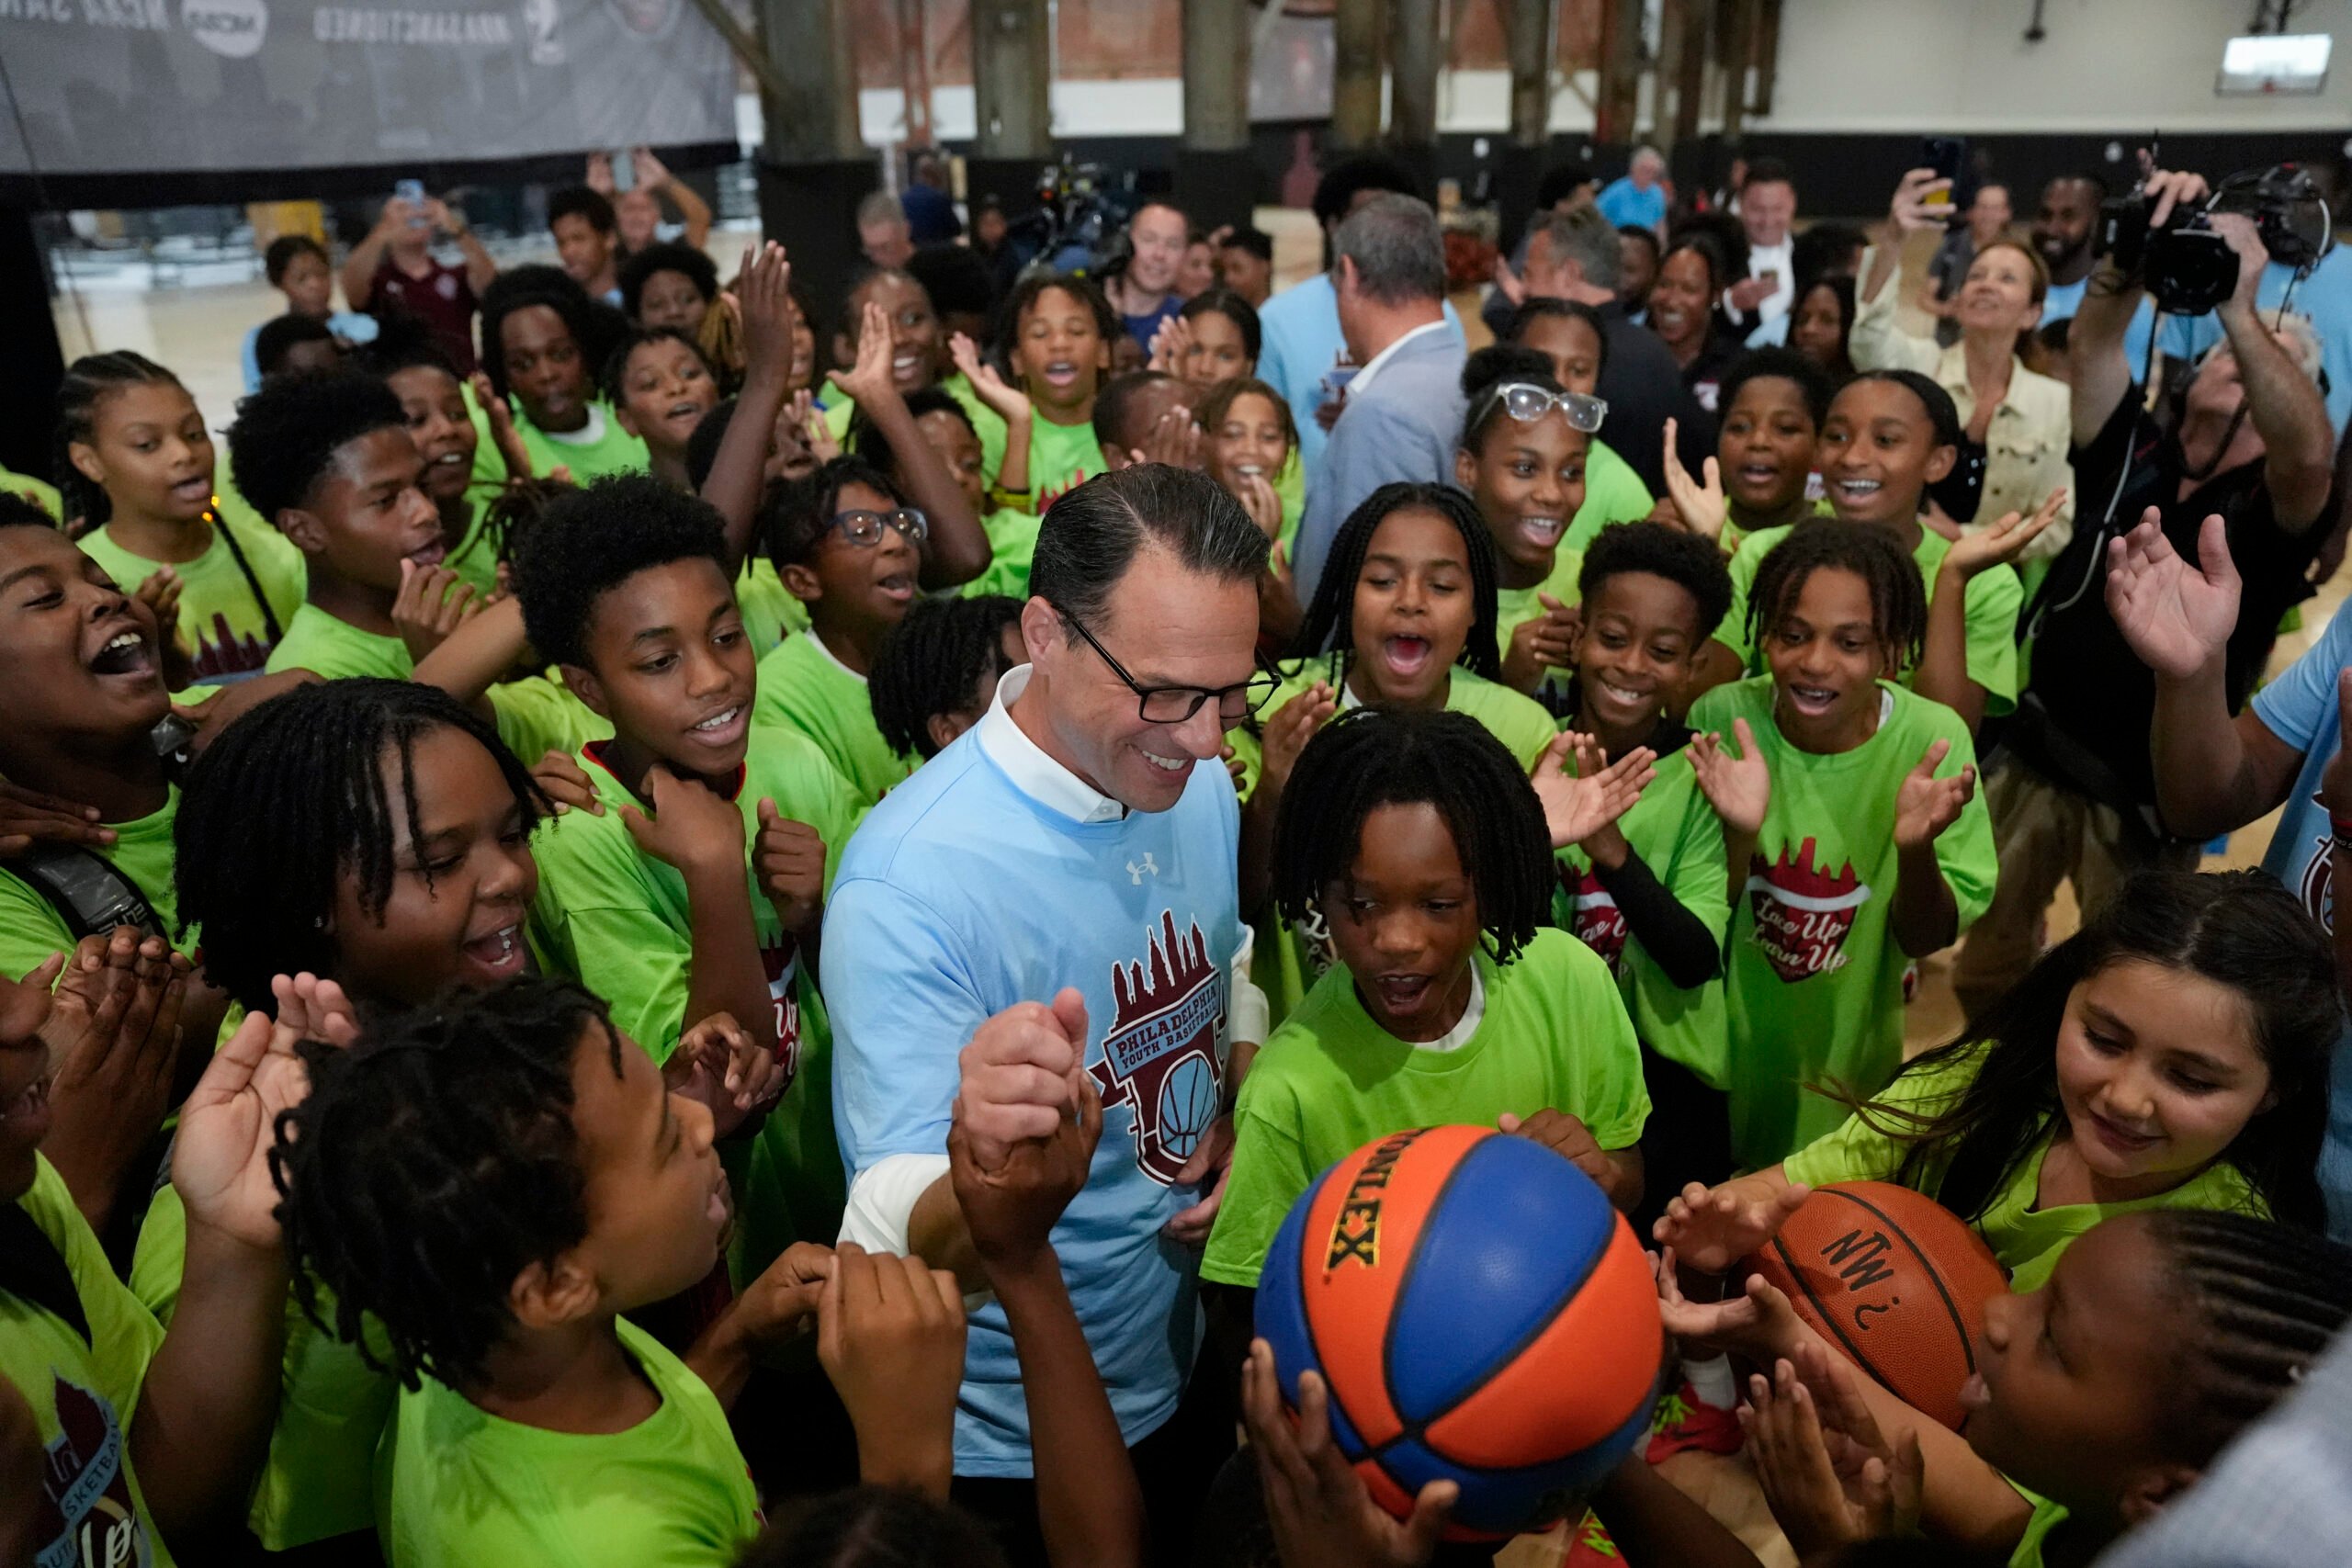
point(696, 883)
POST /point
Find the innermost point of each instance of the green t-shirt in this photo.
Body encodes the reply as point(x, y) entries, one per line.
point(1330, 1079)
point(987, 423)
point(222, 625)
point(30, 926)
point(1680, 839)
point(770, 611)
point(474, 556)
point(1612, 493)
point(1290, 488)
point(618, 920)
point(1012, 543)
point(83, 1388)
point(1813, 979)
point(41, 492)
point(331, 1405)
point(2046, 1518)
point(534, 717)
point(1062, 457)
point(2027, 1239)
point(805, 689)
point(598, 448)
point(465, 1488)
point(1994, 598)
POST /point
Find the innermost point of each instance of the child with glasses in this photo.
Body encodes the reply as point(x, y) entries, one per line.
point(1522, 459)
point(849, 549)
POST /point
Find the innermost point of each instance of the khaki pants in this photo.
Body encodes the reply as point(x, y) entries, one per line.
point(2046, 834)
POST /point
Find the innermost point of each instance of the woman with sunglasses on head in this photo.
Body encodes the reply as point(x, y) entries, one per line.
point(2017, 424)
point(1522, 459)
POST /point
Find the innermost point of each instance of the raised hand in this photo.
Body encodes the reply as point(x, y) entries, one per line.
point(763, 310)
point(1172, 346)
point(2000, 543)
point(1264, 507)
point(1759, 1322)
point(890, 1335)
point(1712, 1229)
point(114, 1037)
point(651, 173)
point(1321, 1513)
point(691, 827)
point(1287, 732)
point(503, 434)
point(788, 857)
point(27, 817)
point(1924, 805)
point(2175, 617)
point(161, 593)
point(1539, 646)
point(1739, 788)
point(1010, 403)
point(600, 173)
point(1701, 505)
point(1819, 1503)
point(1910, 212)
point(1174, 440)
point(432, 602)
point(1019, 1076)
point(220, 1159)
point(1010, 1208)
point(1576, 808)
point(718, 1065)
point(869, 378)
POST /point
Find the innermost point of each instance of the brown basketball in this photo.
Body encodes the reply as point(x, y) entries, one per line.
point(1894, 1281)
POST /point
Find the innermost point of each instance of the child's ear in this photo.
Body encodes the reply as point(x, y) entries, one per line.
point(2152, 1488)
point(1939, 463)
point(1465, 469)
point(548, 1296)
point(800, 580)
point(581, 683)
point(85, 458)
point(944, 728)
point(307, 531)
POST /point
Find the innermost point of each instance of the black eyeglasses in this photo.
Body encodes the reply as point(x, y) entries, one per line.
point(1174, 705)
point(865, 528)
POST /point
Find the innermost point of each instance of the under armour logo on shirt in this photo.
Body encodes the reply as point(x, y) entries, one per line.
point(1135, 873)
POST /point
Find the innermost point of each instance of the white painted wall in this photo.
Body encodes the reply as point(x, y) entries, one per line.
point(1958, 66)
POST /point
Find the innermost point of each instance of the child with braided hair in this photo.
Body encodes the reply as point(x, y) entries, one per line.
point(2101, 1398)
point(937, 673)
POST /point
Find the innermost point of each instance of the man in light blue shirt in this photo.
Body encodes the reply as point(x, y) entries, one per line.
point(1637, 200)
point(1303, 345)
point(1075, 849)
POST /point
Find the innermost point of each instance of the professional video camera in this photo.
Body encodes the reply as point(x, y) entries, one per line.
point(2187, 267)
point(1080, 218)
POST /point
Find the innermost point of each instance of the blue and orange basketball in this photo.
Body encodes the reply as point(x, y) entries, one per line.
point(1480, 1314)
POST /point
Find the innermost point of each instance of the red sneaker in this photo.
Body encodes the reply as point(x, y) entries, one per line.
point(1685, 1421)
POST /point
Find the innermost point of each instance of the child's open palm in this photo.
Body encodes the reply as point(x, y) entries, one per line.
point(1698, 503)
point(1739, 788)
point(869, 376)
point(1927, 805)
point(2000, 543)
point(1010, 403)
point(763, 307)
point(1831, 1478)
point(1288, 731)
point(1710, 1229)
point(228, 1124)
point(1576, 808)
point(691, 829)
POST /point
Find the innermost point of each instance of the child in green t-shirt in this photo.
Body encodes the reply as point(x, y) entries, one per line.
point(660, 387)
point(1058, 332)
point(123, 1439)
point(535, 1423)
point(441, 419)
point(1571, 334)
point(1873, 848)
point(1774, 401)
point(936, 675)
point(1415, 840)
point(1523, 460)
point(538, 329)
point(1249, 445)
point(1889, 435)
point(849, 549)
point(2172, 1053)
point(138, 495)
point(327, 456)
point(2097, 1400)
point(1648, 892)
point(697, 884)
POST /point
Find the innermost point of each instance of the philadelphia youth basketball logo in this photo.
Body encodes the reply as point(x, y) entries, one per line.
point(1599, 923)
point(84, 1512)
point(1161, 1056)
point(1804, 913)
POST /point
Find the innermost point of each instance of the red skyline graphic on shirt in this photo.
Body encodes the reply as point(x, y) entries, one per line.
point(1804, 913)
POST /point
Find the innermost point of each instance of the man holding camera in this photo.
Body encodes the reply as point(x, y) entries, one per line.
point(2246, 440)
